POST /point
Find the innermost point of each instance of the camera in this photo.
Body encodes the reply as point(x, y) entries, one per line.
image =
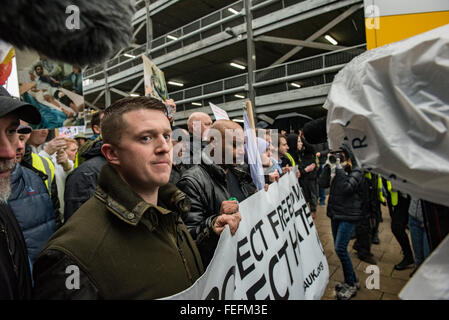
point(333, 155)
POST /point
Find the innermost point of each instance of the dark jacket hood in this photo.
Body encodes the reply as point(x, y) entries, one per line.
point(93, 150)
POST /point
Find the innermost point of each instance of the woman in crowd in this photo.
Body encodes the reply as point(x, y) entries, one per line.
point(344, 208)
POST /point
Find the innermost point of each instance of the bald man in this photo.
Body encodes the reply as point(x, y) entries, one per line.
point(211, 184)
point(198, 125)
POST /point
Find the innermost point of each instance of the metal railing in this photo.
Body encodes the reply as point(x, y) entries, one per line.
point(207, 26)
point(310, 71)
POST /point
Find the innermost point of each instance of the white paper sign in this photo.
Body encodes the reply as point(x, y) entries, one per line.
point(219, 113)
point(275, 253)
point(71, 132)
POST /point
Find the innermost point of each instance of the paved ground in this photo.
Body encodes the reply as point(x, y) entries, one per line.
point(387, 254)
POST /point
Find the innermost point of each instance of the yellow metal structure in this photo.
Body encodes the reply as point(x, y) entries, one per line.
point(388, 21)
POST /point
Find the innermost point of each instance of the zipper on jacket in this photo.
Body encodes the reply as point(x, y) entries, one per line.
point(181, 253)
point(9, 249)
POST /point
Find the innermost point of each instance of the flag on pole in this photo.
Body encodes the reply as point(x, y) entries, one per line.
point(254, 161)
point(219, 113)
point(6, 55)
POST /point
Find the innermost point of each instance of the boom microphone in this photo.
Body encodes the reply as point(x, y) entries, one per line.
point(51, 27)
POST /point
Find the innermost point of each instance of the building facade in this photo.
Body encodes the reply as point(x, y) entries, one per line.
point(296, 48)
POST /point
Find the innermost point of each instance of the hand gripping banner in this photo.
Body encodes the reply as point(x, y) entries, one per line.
point(275, 253)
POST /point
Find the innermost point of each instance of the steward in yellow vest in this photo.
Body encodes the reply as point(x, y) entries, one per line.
point(398, 204)
point(45, 168)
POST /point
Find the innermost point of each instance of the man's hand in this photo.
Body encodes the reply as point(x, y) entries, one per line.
point(349, 151)
point(170, 102)
point(338, 163)
point(233, 220)
point(54, 145)
point(229, 207)
point(274, 176)
point(286, 169)
point(63, 160)
point(298, 174)
point(171, 108)
point(310, 167)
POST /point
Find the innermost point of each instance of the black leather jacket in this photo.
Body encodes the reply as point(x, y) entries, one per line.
point(206, 186)
point(15, 275)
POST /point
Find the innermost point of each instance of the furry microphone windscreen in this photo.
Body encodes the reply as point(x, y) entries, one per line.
point(73, 31)
point(315, 131)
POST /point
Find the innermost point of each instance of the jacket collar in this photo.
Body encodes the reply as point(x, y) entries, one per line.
point(27, 155)
point(15, 174)
point(218, 172)
point(123, 202)
point(213, 169)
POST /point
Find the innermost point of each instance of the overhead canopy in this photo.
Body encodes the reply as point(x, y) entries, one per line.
point(290, 121)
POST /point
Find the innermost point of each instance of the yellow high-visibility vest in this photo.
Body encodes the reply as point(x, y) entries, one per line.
point(380, 193)
point(288, 155)
point(44, 165)
point(394, 194)
point(75, 164)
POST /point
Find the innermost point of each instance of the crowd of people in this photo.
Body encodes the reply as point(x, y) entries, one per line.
point(137, 210)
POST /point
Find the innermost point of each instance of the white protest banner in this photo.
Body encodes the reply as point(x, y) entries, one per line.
point(219, 113)
point(275, 253)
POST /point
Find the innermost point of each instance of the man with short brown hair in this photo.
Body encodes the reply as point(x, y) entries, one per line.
point(128, 241)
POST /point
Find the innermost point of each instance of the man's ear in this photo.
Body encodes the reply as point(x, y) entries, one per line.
point(96, 129)
point(110, 153)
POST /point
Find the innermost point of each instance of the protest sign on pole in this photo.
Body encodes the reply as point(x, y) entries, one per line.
point(53, 87)
point(155, 86)
point(7, 66)
point(154, 80)
point(71, 132)
point(275, 253)
point(254, 161)
point(219, 113)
